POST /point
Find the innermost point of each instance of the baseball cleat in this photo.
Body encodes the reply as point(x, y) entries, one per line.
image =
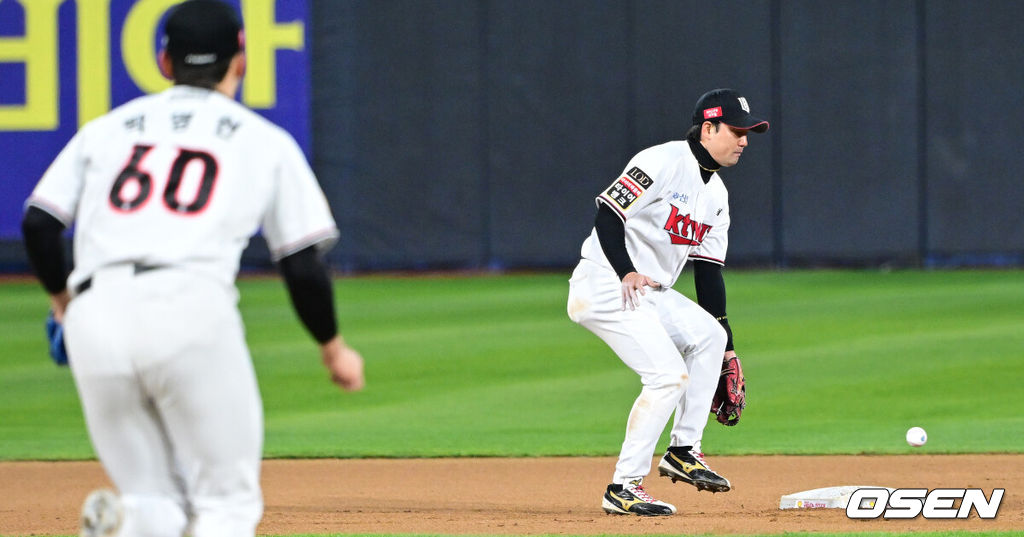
point(688, 466)
point(101, 514)
point(631, 498)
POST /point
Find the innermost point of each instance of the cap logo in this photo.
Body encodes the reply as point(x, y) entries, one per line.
point(744, 105)
point(712, 112)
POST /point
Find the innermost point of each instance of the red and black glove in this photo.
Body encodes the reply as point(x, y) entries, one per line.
point(731, 395)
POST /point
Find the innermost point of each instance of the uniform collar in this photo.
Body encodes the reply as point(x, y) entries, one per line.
point(185, 91)
point(708, 165)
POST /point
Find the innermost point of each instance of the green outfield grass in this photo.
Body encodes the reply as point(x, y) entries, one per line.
point(836, 362)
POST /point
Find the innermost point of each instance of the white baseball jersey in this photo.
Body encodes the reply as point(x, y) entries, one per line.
point(178, 181)
point(670, 215)
point(183, 178)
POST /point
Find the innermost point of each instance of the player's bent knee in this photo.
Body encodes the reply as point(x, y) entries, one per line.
point(714, 340)
point(153, 516)
point(720, 338)
point(669, 383)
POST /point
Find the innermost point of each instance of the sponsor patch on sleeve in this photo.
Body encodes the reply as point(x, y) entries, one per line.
point(640, 177)
point(629, 187)
point(624, 192)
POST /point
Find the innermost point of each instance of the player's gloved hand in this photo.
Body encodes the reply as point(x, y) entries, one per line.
point(633, 288)
point(731, 395)
point(344, 363)
point(55, 335)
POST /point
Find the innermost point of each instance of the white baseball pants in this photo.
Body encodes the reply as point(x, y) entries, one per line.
point(170, 400)
point(671, 342)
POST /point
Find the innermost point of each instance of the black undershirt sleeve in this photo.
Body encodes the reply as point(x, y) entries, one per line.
point(710, 286)
point(611, 233)
point(309, 286)
point(44, 243)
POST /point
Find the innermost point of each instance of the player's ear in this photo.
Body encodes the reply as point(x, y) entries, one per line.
point(241, 52)
point(706, 129)
point(166, 65)
point(239, 64)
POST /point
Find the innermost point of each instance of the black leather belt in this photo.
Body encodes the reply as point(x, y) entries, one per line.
point(137, 268)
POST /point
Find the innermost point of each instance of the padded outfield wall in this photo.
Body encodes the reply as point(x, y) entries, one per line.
point(475, 134)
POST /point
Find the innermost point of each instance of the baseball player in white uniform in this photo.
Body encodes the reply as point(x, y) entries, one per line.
point(165, 192)
point(668, 206)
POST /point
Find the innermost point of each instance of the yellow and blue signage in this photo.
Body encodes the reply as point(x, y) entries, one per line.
point(65, 62)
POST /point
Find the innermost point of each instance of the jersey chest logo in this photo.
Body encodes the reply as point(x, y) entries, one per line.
point(684, 230)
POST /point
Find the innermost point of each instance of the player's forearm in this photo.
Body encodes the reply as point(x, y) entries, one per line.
point(311, 292)
point(44, 243)
point(611, 233)
point(710, 287)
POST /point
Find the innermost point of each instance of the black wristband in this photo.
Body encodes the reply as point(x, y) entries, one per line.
point(728, 333)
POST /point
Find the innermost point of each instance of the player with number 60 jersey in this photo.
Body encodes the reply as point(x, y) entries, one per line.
point(183, 178)
point(165, 192)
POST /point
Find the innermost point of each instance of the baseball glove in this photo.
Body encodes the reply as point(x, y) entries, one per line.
point(731, 395)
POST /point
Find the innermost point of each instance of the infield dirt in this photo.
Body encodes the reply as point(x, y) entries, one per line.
point(532, 496)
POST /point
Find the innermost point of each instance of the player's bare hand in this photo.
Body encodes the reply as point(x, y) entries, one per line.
point(59, 303)
point(633, 288)
point(344, 363)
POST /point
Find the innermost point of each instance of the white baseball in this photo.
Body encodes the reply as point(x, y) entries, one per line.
point(916, 436)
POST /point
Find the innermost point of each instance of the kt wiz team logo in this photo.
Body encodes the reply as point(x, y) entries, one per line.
point(684, 230)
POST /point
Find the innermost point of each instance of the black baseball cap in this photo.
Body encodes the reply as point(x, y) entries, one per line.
point(201, 32)
point(726, 105)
